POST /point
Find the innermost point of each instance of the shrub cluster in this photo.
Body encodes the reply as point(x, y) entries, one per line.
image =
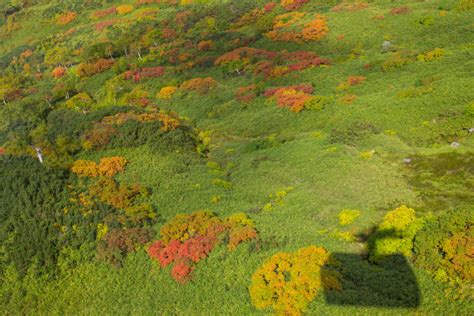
point(90, 69)
point(187, 239)
point(395, 234)
point(294, 97)
point(108, 167)
point(288, 282)
point(200, 85)
point(445, 247)
point(295, 27)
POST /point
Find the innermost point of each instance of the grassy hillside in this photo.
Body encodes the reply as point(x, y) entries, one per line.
point(291, 123)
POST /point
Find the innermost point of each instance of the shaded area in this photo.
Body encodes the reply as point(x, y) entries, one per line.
point(391, 283)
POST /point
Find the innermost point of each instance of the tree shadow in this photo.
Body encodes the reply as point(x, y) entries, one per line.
point(389, 283)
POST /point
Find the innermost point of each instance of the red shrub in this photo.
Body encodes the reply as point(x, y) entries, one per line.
point(105, 12)
point(246, 94)
point(400, 10)
point(181, 272)
point(269, 7)
point(90, 69)
point(292, 4)
point(153, 72)
point(104, 24)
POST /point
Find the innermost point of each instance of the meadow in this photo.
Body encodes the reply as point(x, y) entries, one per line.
point(237, 157)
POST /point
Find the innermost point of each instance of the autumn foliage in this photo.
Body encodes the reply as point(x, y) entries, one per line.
point(288, 282)
point(58, 72)
point(200, 85)
point(293, 27)
point(188, 239)
point(108, 167)
point(90, 69)
point(66, 18)
point(151, 72)
point(292, 4)
point(293, 97)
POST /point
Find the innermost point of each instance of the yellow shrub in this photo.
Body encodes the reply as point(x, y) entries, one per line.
point(288, 282)
point(167, 92)
point(124, 9)
point(85, 168)
point(347, 217)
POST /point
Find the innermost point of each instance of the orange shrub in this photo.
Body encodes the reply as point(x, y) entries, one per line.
point(316, 29)
point(66, 18)
point(200, 85)
point(58, 72)
point(110, 166)
point(290, 27)
point(293, 97)
point(205, 45)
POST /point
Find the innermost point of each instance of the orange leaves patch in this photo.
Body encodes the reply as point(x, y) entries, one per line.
point(66, 18)
point(205, 45)
point(108, 167)
point(200, 85)
point(58, 72)
point(292, 27)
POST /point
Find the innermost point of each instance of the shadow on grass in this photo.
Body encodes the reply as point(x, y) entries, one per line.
point(391, 283)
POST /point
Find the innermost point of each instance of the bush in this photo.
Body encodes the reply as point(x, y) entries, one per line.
point(445, 247)
point(189, 238)
point(288, 282)
point(117, 243)
point(347, 217)
point(395, 234)
point(200, 85)
point(37, 219)
point(352, 134)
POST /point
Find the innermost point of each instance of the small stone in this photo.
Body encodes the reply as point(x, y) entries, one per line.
point(471, 130)
point(455, 144)
point(386, 46)
point(407, 161)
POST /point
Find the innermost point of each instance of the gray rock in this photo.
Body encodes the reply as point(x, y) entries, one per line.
point(386, 47)
point(471, 130)
point(455, 144)
point(407, 161)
